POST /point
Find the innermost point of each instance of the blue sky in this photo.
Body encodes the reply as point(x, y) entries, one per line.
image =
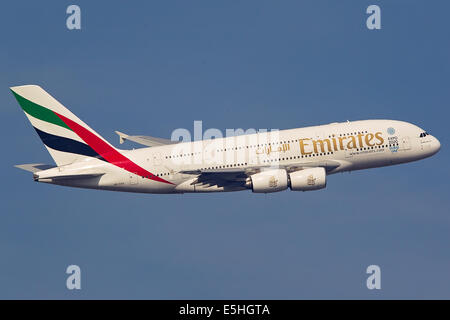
point(150, 67)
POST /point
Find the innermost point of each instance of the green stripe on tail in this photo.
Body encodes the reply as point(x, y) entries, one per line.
point(39, 112)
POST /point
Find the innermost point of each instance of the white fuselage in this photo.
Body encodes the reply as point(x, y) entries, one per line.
point(337, 147)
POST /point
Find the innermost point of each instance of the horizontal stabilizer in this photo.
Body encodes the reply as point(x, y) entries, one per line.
point(34, 167)
point(144, 140)
point(71, 176)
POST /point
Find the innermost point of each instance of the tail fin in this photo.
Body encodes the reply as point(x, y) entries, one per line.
point(66, 137)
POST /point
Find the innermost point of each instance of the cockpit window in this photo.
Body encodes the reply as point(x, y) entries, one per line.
point(424, 134)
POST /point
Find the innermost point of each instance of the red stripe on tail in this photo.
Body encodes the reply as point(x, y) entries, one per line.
point(109, 153)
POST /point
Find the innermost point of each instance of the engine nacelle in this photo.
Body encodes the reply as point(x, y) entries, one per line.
point(269, 181)
point(308, 179)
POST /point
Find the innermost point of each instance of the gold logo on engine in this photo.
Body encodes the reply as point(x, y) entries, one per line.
point(273, 183)
point(311, 181)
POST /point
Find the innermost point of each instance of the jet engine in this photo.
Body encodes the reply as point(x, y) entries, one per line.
point(268, 181)
point(308, 179)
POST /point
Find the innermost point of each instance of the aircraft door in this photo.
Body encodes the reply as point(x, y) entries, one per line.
point(133, 179)
point(156, 159)
point(157, 162)
point(405, 143)
point(349, 153)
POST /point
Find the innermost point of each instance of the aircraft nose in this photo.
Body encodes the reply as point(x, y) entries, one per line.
point(436, 145)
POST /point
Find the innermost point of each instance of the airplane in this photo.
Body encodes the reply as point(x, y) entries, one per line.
point(264, 162)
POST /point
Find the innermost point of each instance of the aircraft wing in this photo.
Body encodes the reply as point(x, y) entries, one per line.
point(144, 140)
point(327, 164)
point(236, 177)
point(232, 177)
